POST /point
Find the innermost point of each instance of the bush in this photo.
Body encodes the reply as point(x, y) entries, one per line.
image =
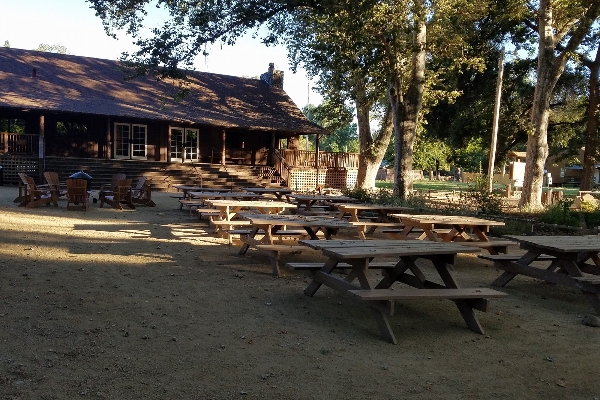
point(478, 196)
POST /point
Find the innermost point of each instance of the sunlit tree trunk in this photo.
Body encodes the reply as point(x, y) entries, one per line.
point(551, 64)
point(372, 149)
point(591, 130)
point(537, 142)
point(406, 108)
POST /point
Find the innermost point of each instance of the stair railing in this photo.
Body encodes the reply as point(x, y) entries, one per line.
point(281, 165)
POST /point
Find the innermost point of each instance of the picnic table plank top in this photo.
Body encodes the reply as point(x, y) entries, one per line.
point(250, 203)
point(564, 244)
point(446, 220)
point(320, 197)
point(363, 206)
point(353, 249)
point(259, 189)
point(297, 220)
point(200, 188)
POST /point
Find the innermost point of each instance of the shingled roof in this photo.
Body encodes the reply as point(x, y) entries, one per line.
point(50, 82)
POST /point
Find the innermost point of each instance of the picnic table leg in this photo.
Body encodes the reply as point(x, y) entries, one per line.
point(464, 307)
point(245, 246)
point(508, 276)
point(329, 266)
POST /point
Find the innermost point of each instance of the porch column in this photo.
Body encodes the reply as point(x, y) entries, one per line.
point(169, 143)
point(108, 148)
point(41, 137)
point(317, 163)
point(223, 148)
point(270, 160)
point(41, 150)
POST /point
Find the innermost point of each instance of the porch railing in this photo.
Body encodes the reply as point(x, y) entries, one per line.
point(19, 143)
point(304, 158)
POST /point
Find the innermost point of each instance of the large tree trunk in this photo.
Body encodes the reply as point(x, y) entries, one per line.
point(591, 130)
point(551, 64)
point(406, 109)
point(372, 149)
point(537, 142)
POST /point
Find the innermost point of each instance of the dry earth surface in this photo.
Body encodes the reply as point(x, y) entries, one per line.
point(147, 304)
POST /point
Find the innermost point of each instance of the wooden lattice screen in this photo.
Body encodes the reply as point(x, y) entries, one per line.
point(12, 165)
point(337, 178)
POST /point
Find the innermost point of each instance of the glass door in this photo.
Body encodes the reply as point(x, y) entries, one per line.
point(130, 141)
point(184, 144)
point(122, 135)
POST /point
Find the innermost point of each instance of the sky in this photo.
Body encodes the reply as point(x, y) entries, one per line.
point(25, 24)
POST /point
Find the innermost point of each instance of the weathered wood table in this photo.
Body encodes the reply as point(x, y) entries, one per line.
point(307, 201)
point(358, 254)
point(228, 208)
point(573, 261)
point(271, 226)
point(277, 192)
point(431, 224)
point(382, 220)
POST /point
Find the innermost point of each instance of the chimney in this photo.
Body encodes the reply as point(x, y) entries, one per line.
point(34, 73)
point(273, 77)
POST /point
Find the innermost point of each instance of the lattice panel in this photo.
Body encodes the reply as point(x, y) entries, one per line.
point(12, 165)
point(306, 179)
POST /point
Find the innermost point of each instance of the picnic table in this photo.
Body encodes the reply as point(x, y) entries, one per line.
point(185, 189)
point(271, 226)
point(204, 196)
point(431, 227)
point(573, 261)
point(359, 254)
point(309, 200)
point(228, 208)
point(381, 219)
point(277, 192)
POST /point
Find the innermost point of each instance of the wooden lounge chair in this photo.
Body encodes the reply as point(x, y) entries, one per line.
point(113, 183)
point(54, 183)
point(36, 196)
point(77, 195)
point(120, 194)
point(141, 193)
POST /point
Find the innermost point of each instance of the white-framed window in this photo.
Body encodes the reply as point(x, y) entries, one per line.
point(184, 144)
point(130, 141)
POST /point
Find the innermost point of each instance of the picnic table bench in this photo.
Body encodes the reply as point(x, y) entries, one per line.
point(379, 296)
point(569, 258)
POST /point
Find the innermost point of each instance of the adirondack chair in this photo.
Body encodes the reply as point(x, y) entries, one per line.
point(141, 193)
point(113, 183)
point(36, 196)
point(54, 183)
point(77, 195)
point(120, 194)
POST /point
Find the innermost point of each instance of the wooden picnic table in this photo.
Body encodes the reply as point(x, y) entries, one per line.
point(359, 255)
point(228, 208)
point(270, 225)
point(430, 224)
point(353, 210)
point(573, 261)
point(185, 189)
point(309, 200)
point(223, 196)
point(277, 192)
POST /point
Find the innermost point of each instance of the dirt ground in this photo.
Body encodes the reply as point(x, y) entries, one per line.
point(147, 304)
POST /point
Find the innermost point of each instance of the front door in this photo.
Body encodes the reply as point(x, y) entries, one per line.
point(130, 141)
point(184, 144)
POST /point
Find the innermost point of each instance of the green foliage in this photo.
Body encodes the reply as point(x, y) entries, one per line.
point(427, 151)
point(477, 195)
point(384, 196)
point(338, 120)
point(588, 216)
